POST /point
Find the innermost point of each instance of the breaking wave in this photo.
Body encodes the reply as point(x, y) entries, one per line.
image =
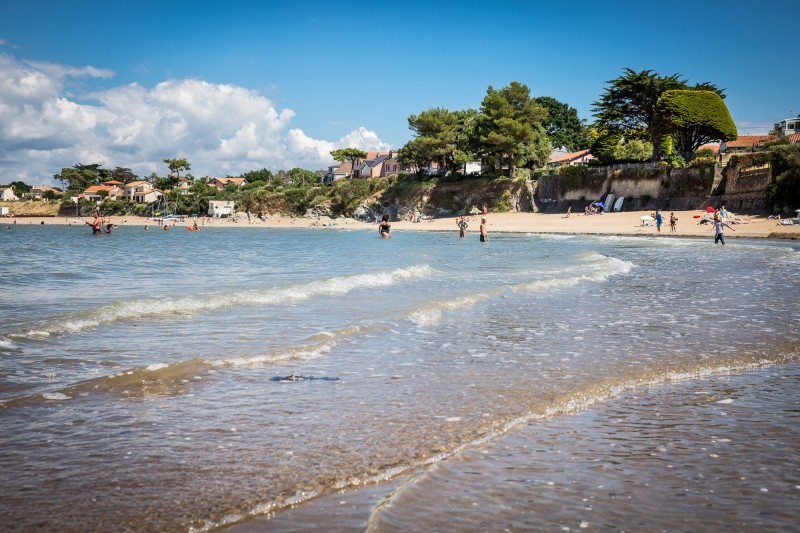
point(592, 267)
point(192, 305)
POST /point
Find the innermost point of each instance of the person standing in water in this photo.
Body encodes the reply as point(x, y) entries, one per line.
point(384, 227)
point(484, 233)
point(96, 224)
point(718, 236)
point(462, 227)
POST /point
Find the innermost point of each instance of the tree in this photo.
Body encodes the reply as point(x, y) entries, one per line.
point(509, 131)
point(435, 133)
point(630, 103)
point(178, 165)
point(784, 190)
point(124, 175)
point(562, 124)
point(694, 118)
point(603, 144)
point(349, 154)
point(301, 177)
point(80, 177)
point(633, 150)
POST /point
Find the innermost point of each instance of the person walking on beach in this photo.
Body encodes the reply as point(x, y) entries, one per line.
point(484, 233)
point(673, 221)
point(384, 227)
point(718, 236)
point(462, 227)
point(659, 220)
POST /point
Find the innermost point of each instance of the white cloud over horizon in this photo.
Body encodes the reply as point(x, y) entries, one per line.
point(221, 129)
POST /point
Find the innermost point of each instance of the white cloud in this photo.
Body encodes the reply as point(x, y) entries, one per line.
point(221, 129)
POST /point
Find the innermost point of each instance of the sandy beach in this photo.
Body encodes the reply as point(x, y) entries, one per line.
point(625, 223)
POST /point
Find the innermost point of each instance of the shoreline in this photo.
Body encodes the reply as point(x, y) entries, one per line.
point(626, 223)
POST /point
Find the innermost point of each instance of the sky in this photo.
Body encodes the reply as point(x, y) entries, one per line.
point(242, 85)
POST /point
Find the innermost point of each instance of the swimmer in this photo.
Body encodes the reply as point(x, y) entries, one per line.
point(484, 233)
point(384, 227)
point(96, 224)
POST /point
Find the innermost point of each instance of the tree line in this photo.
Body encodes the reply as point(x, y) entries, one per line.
point(640, 115)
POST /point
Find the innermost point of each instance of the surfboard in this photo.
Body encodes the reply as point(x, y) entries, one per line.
point(618, 203)
point(609, 202)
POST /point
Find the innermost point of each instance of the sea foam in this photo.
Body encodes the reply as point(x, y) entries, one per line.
point(192, 305)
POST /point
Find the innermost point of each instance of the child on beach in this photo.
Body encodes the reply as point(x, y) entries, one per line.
point(673, 220)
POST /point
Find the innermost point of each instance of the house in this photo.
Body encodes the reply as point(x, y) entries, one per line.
point(337, 172)
point(788, 126)
point(793, 138)
point(581, 157)
point(372, 168)
point(95, 193)
point(221, 208)
point(39, 192)
point(142, 192)
point(114, 183)
point(183, 186)
point(221, 183)
point(7, 194)
point(746, 143)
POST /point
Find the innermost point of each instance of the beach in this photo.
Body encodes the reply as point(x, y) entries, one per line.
point(623, 223)
point(321, 378)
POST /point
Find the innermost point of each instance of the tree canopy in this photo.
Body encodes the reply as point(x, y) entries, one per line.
point(349, 154)
point(178, 165)
point(694, 118)
point(509, 130)
point(630, 103)
point(562, 125)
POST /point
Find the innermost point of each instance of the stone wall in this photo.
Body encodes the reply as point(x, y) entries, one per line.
point(745, 187)
point(644, 186)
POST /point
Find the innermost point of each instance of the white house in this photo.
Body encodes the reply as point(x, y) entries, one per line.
point(220, 208)
point(788, 126)
point(7, 194)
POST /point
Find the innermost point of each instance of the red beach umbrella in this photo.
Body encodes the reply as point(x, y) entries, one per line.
point(710, 209)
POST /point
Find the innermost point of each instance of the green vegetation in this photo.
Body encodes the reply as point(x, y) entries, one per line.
point(694, 118)
point(629, 105)
point(783, 193)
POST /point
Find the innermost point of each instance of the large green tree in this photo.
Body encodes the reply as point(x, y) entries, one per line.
point(349, 154)
point(509, 131)
point(81, 177)
point(630, 102)
point(694, 118)
point(562, 124)
point(441, 136)
point(125, 175)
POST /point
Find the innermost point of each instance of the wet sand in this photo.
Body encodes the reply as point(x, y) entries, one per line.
point(625, 223)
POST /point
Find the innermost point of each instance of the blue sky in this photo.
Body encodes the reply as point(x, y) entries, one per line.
point(240, 85)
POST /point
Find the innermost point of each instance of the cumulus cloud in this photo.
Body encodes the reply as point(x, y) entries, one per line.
point(221, 129)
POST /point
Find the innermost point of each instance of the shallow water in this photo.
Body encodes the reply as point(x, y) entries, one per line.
point(136, 369)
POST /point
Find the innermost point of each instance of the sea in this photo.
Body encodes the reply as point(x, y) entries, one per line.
point(325, 379)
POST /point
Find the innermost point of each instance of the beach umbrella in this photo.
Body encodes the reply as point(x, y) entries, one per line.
point(710, 209)
point(646, 217)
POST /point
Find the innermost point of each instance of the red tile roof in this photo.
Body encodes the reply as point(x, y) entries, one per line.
point(713, 147)
point(793, 138)
point(746, 141)
point(570, 156)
